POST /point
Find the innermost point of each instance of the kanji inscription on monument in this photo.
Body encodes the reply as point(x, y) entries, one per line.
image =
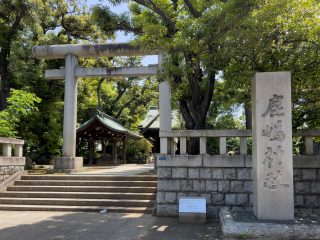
point(272, 146)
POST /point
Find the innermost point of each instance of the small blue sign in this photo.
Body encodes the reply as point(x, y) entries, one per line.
point(162, 158)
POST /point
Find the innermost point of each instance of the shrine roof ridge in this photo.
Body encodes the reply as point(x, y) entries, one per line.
point(108, 122)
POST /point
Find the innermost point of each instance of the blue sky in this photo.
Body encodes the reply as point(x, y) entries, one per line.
point(120, 36)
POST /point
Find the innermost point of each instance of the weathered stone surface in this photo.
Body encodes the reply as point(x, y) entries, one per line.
point(193, 194)
point(224, 186)
point(297, 174)
point(224, 161)
point(302, 187)
point(162, 185)
point(68, 163)
point(311, 200)
point(12, 161)
point(186, 185)
point(315, 187)
point(217, 173)
point(174, 185)
point(243, 173)
point(167, 210)
point(232, 229)
point(236, 186)
point(194, 173)
point(181, 194)
point(230, 173)
point(211, 185)
point(179, 173)
point(242, 199)
point(306, 161)
point(217, 198)
point(308, 174)
point(160, 197)
point(168, 185)
point(199, 185)
point(272, 146)
point(248, 186)
point(181, 161)
point(207, 196)
point(298, 200)
point(205, 173)
point(164, 172)
point(251, 198)
point(318, 174)
point(171, 197)
point(230, 199)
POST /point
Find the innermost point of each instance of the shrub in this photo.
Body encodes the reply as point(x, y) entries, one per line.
point(139, 151)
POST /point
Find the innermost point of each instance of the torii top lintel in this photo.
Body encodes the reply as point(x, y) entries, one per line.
point(89, 50)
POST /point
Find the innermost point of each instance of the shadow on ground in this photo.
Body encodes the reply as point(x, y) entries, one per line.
point(96, 226)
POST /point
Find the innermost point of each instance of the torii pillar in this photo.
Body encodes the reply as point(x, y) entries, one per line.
point(69, 162)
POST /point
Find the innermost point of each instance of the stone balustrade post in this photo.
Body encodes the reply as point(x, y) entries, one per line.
point(222, 145)
point(243, 146)
point(308, 145)
point(203, 145)
point(18, 152)
point(183, 146)
point(7, 149)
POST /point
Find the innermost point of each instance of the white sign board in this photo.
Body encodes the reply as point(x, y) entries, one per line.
point(192, 205)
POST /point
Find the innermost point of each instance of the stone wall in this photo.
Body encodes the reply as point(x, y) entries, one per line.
point(10, 165)
point(227, 181)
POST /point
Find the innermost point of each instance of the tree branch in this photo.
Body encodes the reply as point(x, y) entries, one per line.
point(168, 21)
point(98, 92)
point(194, 12)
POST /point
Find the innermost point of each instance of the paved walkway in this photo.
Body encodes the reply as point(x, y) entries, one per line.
point(99, 226)
point(121, 170)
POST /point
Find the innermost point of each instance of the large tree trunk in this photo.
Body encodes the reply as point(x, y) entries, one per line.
point(248, 115)
point(194, 109)
point(5, 77)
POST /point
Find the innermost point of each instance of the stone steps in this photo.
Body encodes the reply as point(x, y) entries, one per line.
point(89, 178)
point(78, 202)
point(9, 207)
point(84, 183)
point(134, 194)
point(81, 189)
point(81, 195)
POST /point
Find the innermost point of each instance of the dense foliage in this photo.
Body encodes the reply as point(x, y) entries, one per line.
point(212, 49)
point(20, 105)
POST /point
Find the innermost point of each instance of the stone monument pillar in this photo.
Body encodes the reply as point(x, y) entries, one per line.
point(165, 112)
point(273, 197)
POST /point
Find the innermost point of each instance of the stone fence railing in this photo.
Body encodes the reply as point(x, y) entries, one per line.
point(183, 135)
point(11, 163)
point(227, 180)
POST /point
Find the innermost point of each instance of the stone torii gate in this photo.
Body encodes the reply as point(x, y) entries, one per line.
point(71, 71)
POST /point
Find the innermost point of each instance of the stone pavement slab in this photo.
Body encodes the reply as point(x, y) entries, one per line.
point(29, 225)
point(121, 170)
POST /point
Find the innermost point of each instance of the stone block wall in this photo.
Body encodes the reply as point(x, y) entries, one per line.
point(10, 165)
point(226, 181)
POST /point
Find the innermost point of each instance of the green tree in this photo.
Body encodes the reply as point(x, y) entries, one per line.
point(39, 23)
point(20, 104)
point(281, 35)
point(126, 99)
point(191, 34)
